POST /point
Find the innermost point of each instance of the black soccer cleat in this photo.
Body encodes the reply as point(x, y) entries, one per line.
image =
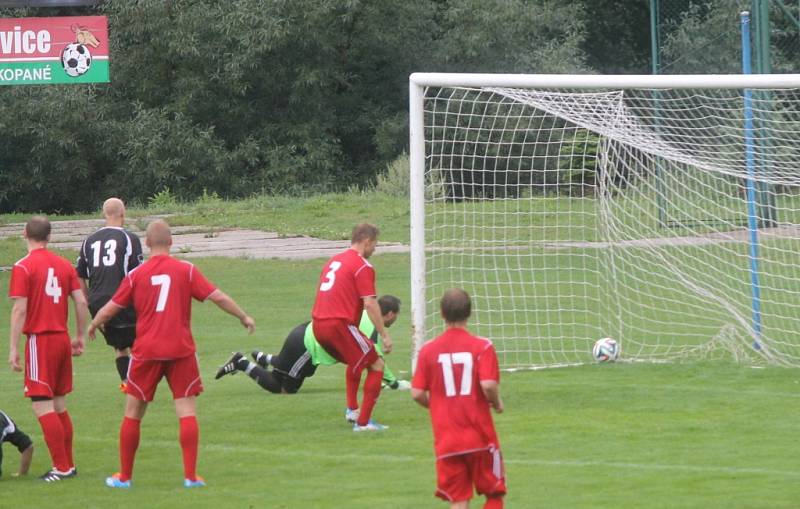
point(54, 475)
point(261, 358)
point(230, 367)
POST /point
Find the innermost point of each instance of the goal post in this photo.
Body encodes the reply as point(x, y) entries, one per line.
point(573, 207)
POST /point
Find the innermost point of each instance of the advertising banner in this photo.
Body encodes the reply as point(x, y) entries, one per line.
point(37, 51)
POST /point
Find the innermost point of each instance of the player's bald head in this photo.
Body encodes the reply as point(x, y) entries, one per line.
point(113, 207)
point(158, 234)
point(455, 305)
point(37, 229)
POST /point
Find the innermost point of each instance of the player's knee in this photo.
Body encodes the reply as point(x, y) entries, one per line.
point(377, 365)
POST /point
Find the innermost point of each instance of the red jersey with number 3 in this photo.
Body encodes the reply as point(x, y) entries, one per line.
point(46, 280)
point(161, 291)
point(451, 368)
point(344, 282)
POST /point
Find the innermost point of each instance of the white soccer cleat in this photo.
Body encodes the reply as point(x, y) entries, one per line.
point(403, 385)
point(370, 426)
point(351, 416)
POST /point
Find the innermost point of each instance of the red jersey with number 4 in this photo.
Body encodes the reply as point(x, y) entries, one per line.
point(46, 280)
point(451, 368)
point(161, 292)
point(345, 280)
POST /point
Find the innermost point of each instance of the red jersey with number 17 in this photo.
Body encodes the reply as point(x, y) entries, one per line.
point(344, 282)
point(451, 368)
point(161, 292)
point(46, 280)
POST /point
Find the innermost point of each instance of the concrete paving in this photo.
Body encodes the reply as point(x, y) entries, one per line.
point(202, 241)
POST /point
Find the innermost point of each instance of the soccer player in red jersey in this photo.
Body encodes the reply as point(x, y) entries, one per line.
point(347, 288)
point(457, 378)
point(161, 291)
point(40, 285)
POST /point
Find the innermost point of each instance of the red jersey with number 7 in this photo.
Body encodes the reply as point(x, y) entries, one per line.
point(46, 280)
point(451, 368)
point(344, 282)
point(161, 291)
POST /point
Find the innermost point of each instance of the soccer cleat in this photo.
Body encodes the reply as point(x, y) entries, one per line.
point(351, 416)
point(115, 482)
point(54, 475)
point(261, 358)
point(369, 426)
point(199, 482)
point(230, 365)
point(403, 385)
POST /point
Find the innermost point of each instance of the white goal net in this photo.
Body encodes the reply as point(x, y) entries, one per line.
point(664, 216)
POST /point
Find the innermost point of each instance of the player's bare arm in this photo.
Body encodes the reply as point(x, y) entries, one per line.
point(491, 389)
point(373, 310)
point(18, 313)
point(25, 461)
point(227, 304)
point(81, 317)
point(84, 287)
point(421, 397)
point(105, 314)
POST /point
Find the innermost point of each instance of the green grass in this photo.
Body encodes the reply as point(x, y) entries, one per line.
point(703, 435)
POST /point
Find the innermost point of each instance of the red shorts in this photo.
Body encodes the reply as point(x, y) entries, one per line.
point(345, 343)
point(457, 474)
point(48, 365)
point(183, 377)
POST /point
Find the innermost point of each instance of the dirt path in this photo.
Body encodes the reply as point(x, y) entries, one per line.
point(197, 241)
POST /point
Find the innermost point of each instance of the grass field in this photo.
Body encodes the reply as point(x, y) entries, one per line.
point(597, 436)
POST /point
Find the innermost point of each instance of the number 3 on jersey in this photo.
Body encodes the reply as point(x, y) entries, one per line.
point(330, 277)
point(162, 281)
point(447, 360)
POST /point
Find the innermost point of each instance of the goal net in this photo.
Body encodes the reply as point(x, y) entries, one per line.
point(663, 211)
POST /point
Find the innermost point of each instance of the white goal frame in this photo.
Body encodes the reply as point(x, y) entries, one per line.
point(419, 82)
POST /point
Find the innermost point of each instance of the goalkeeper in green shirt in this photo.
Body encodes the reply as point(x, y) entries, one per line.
point(301, 354)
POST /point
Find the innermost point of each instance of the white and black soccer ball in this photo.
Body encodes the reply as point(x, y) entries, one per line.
point(76, 59)
point(605, 350)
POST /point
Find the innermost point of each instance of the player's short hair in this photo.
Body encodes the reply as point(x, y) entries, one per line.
point(455, 305)
point(364, 231)
point(37, 228)
point(158, 234)
point(113, 207)
point(389, 304)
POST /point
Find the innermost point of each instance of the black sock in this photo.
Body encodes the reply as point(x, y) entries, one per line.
point(122, 366)
point(264, 378)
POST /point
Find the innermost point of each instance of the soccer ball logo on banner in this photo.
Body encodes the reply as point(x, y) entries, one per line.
point(76, 57)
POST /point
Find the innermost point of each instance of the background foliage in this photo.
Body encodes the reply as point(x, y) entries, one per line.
point(281, 96)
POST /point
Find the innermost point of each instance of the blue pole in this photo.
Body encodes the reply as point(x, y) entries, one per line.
point(752, 219)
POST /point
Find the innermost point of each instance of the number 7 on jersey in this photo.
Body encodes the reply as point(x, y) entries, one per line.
point(162, 281)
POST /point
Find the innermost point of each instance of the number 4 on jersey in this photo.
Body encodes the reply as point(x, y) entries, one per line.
point(51, 287)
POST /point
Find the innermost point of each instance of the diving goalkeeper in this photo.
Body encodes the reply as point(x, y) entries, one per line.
point(301, 354)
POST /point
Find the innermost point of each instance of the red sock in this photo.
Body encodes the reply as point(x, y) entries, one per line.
point(53, 433)
point(493, 503)
point(190, 438)
point(128, 443)
point(66, 423)
point(372, 389)
point(352, 381)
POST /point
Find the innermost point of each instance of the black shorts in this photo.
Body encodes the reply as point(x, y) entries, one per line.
point(119, 337)
point(123, 319)
point(293, 364)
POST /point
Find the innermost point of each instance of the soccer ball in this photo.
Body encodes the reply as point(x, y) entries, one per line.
point(76, 59)
point(605, 350)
